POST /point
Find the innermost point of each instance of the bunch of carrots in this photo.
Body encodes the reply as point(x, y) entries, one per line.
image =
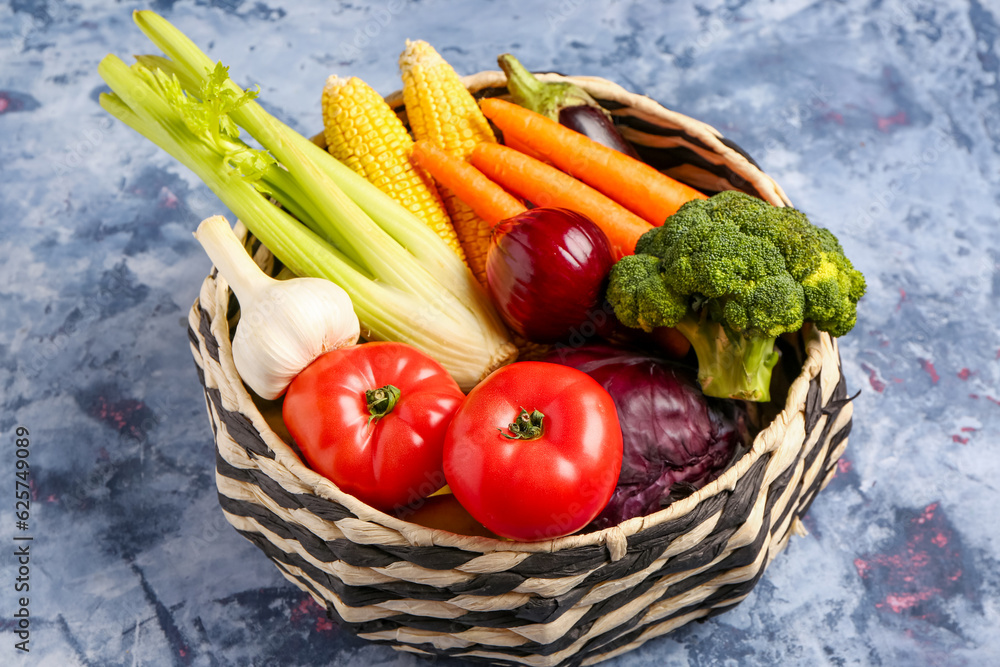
point(453, 174)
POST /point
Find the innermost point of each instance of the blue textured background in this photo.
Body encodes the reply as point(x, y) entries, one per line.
point(881, 119)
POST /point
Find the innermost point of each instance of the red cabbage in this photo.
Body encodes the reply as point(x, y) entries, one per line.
point(676, 439)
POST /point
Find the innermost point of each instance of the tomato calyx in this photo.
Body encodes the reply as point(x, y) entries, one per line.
point(526, 426)
point(381, 401)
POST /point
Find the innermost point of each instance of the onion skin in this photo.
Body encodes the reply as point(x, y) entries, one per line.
point(546, 272)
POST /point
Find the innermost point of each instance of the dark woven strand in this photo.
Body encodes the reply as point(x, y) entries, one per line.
point(205, 329)
point(193, 337)
point(239, 426)
point(352, 553)
point(351, 596)
point(814, 404)
point(625, 117)
point(832, 411)
point(663, 159)
point(321, 507)
point(809, 494)
point(729, 143)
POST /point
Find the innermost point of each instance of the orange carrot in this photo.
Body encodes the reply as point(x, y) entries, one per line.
point(489, 201)
point(521, 148)
point(544, 185)
point(630, 182)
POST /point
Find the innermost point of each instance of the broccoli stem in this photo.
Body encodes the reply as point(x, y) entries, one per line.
point(730, 365)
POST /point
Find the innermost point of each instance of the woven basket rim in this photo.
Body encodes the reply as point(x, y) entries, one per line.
point(820, 348)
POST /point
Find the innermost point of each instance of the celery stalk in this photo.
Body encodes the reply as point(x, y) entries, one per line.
point(192, 67)
point(398, 294)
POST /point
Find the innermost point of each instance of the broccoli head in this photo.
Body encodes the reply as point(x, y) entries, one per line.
point(732, 273)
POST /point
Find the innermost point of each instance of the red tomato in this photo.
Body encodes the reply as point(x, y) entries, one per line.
point(372, 419)
point(535, 451)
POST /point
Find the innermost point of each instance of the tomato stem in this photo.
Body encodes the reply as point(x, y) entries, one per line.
point(381, 401)
point(526, 426)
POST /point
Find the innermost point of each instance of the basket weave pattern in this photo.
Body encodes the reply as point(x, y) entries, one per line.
point(574, 600)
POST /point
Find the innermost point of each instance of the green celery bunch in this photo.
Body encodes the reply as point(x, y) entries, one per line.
point(406, 284)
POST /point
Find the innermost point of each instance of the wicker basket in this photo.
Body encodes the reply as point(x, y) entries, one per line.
point(574, 600)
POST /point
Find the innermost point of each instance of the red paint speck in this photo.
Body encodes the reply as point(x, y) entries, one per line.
point(928, 366)
point(308, 609)
point(844, 466)
point(52, 498)
point(873, 378)
point(904, 601)
point(974, 396)
point(927, 514)
point(834, 117)
point(885, 123)
point(4, 103)
point(128, 416)
point(902, 298)
point(167, 198)
point(964, 374)
point(990, 398)
point(919, 567)
point(969, 429)
point(959, 439)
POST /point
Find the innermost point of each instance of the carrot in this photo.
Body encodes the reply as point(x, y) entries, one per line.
point(544, 185)
point(630, 182)
point(521, 148)
point(489, 201)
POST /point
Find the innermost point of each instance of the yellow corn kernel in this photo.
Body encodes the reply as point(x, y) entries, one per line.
point(364, 133)
point(441, 110)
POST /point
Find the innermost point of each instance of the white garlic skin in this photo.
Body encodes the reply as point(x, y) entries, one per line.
point(286, 326)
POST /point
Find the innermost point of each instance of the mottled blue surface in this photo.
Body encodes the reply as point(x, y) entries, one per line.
point(881, 119)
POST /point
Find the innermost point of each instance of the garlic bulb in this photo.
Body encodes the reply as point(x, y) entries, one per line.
point(284, 324)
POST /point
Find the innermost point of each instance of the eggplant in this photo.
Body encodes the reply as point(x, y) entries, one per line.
point(564, 102)
point(594, 123)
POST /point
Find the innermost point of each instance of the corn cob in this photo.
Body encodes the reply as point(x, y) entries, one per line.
point(441, 110)
point(364, 133)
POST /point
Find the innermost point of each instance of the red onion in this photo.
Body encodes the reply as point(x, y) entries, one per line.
point(546, 271)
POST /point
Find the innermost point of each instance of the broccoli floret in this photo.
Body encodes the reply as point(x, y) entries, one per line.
point(732, 273)
point(644, 300)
